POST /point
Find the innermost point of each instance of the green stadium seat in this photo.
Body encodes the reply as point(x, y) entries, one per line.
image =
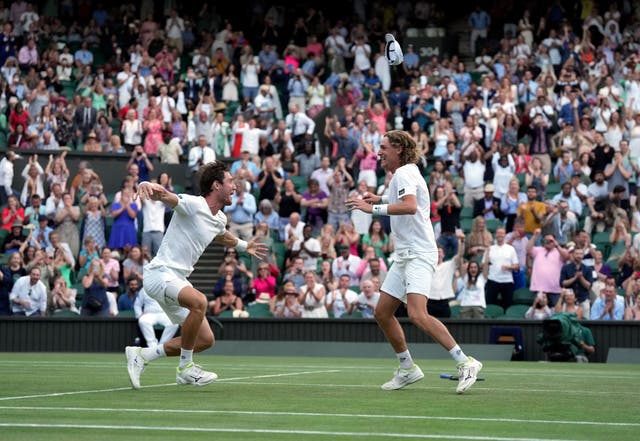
point(65, 313)
point(466, 213)
point(455, 311)
point(465, 225)
point(127, 313)
point(259, 310)
point(516, 311)
point(553, 189)
point(300, 183)
point(493, 224)
point(523, 296)
point(493, 311)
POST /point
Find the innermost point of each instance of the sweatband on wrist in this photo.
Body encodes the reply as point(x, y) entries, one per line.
point(384, 199)
point(380, 210)
point(241, 245)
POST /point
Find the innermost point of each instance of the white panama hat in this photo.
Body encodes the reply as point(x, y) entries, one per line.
point(393, 51)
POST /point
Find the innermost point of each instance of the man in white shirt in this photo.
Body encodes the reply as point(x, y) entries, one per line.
point(342, 300)
point(29, 295)
point(199, 155)
point(6, 177)
point(500, 261)
point(473, 173)
point(346, 263)
point(410, 278)
point(54, 201)
point(293, 231)
point(368, 298)
point(300, 124)
point(174, 29)
point(152, 225)
point(323, 174)
point(308, 248)
point(195, 223)
point(442, 285)
point(149, 314)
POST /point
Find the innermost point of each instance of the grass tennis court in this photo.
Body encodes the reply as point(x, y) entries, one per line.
point(88, 397)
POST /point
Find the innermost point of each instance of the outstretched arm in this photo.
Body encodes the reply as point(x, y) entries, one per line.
point(407, 205)
point(253, 247)
point(156, 192)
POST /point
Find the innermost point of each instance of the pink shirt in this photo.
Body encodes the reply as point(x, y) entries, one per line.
point(545, 274)
point(368, 161)
point(108, 267)
point(267, 285)
point(381, 120)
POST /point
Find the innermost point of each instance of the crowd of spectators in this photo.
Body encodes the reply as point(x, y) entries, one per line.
point(530, 141)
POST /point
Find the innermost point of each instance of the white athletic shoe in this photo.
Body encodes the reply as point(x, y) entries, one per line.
point(467, 374)
point(135, 365)
point(193, 374)
point(403, 377)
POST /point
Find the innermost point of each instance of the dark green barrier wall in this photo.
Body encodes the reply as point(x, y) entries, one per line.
point(19, 334)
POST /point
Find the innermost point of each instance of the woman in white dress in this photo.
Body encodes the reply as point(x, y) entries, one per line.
point(230, 83)
point(312, 296)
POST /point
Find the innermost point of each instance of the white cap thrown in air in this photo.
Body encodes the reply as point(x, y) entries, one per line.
point(393, 51)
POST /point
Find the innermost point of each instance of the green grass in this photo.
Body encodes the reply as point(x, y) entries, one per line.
point(87, 397)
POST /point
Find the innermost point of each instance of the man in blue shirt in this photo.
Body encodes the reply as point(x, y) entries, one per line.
point(241, 211)
point(128, 298)
point(609, 306)
point(41, 233)
point(479, 21)
point(83, 56)
point(578, 277)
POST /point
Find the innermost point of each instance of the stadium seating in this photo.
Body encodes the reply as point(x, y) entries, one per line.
point(523, 296)
point(516, 311)
point(259, 310)
point(493, 311)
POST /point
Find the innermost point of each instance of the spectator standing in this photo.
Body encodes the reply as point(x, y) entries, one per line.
point(479, 22)
point(500, 261)
point(241, 211)
point(578, 277)
point(546, 265)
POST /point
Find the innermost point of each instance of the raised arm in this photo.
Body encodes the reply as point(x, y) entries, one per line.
point(156, 192)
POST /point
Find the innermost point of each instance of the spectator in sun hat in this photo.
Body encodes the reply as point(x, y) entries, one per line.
point(15, 238)
point(489, 205)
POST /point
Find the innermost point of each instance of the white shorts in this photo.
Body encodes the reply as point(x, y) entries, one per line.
point(369, 176)
point(163, 285)
point(407, 276)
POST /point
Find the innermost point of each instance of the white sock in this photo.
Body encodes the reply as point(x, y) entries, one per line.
point(405, 360)
point(186, 357)
point(150, 354)
point(458, 355)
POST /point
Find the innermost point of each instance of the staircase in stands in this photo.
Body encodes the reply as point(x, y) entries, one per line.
point(205, 273)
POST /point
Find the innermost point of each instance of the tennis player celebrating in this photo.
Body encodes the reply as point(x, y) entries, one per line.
point(409, 278)
point(196, 221)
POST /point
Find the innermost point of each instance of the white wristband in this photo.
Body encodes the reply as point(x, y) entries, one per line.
point(384, 199)
point(241, 245)
point(380, 210)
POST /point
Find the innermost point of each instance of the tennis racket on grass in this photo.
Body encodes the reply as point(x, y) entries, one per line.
point(455, 377)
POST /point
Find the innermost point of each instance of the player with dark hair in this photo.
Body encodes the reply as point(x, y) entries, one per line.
point(196, 222)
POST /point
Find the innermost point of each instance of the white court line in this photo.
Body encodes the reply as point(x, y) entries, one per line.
point(230, 365)
point(316, 414)
point(276, 431)
point(81, 392)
